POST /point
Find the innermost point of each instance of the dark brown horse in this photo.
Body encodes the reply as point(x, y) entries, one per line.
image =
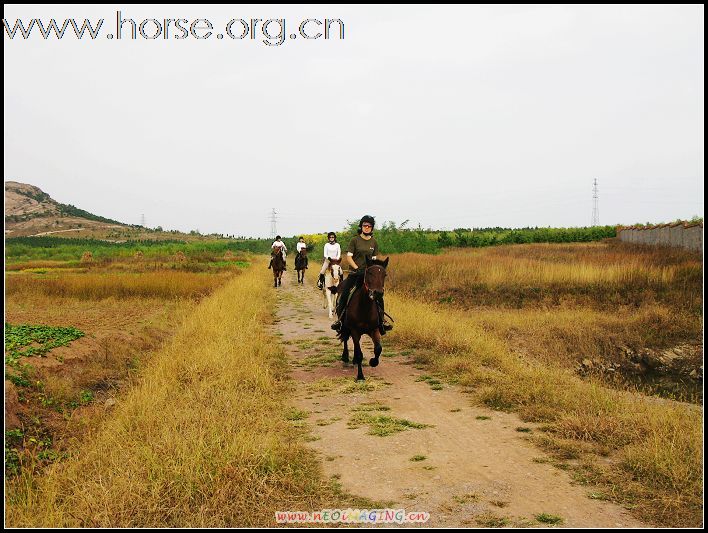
point(301, 265)
point(278, 265)
point(362, 315)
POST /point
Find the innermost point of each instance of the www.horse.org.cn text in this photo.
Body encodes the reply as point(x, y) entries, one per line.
point(270, 32)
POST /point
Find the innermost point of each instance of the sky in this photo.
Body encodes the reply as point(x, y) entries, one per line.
point(457, 116)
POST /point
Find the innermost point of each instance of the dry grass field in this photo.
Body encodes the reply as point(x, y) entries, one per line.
point(511, 323)
point(200, 438)
point(569, 303)
point(123, 310)
point(173, 408)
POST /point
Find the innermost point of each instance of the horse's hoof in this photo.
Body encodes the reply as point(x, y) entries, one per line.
point(358, 379)
point(374, 361)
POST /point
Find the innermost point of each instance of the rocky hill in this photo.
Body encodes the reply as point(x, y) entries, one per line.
point(31, 211)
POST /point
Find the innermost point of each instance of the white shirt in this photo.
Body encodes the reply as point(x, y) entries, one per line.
point(300, 246)
point(279, 243)
point(332, 251)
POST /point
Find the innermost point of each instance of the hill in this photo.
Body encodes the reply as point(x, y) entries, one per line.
point(31, 211)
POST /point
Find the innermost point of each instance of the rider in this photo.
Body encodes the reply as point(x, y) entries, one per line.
point(360, 247)
point(301, 244)
point(278, 242)
point(332, 250)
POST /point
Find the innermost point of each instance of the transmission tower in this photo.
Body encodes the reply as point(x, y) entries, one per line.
point(595, 205)
point(142, 220)
point(273, 220)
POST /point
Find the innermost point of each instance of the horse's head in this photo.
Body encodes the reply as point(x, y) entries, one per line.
point(333, 265)
point(375, 276)
point(336, 272)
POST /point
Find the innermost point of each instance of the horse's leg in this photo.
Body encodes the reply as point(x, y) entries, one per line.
point(376, 337)
point(345, 351)
point(358, 356)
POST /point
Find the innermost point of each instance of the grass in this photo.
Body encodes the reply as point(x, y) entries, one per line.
point(561, 304)
point(545, 518)
point(466, 498)
point(55, 393)
point(492, 520)
point(295, 414)
point(99, 285)
point(381, 425)
point(599, 274)
point(200, 441)
point(657, 445)
point(346, 385)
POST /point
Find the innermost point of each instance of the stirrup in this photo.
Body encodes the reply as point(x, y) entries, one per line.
point(337, 325)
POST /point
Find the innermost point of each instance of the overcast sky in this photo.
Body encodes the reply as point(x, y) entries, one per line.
point(447, 116)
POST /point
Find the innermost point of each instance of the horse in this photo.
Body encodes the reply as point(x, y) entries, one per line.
point(362, 315)
point(301, 265)
point(278, 265)
point(333, 276)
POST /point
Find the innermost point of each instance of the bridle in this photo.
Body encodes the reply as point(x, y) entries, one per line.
point(366, 285)
point(330, 267)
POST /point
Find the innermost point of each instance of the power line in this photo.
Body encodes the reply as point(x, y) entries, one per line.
point(273, 222)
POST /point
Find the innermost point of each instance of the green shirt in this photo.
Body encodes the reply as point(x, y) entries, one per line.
point(361, 248)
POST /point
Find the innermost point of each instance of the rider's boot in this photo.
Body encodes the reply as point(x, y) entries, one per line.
point(384, 326)
point(270, 264)
point(320, 281)
point(337, 326)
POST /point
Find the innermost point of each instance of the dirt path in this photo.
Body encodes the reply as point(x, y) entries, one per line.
point(463, 469)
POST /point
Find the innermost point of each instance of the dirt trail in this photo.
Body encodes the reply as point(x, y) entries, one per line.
point(470, 471)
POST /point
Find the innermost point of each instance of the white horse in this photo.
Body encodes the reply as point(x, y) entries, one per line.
point(333, 275)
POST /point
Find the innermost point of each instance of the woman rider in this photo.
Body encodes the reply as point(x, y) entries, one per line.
point(332, 250)
point(360, 247)
point(283, 250)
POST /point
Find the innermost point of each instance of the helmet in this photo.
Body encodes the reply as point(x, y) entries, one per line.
point(277, 237)
point(369, 219)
